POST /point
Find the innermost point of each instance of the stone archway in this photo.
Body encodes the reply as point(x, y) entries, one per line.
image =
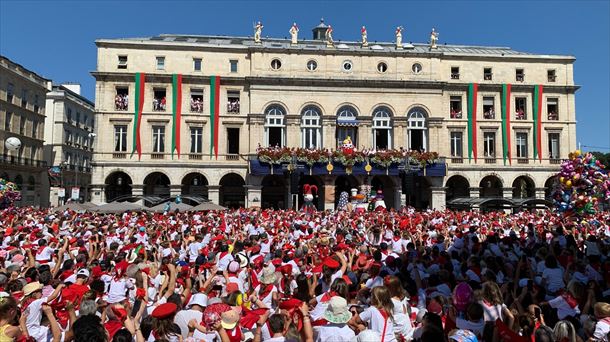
point(345, 183)
point(274, 192)
point(194, 184)
point(457, 187)
point(386, 185)
point(156, 184)
point(117, 185)
point(232, 193)
point(524, 187)
point(550, 187)
point(318, 200)
point(491, 186)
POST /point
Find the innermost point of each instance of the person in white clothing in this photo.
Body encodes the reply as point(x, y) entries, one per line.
point(337, 314)
point(379, 316)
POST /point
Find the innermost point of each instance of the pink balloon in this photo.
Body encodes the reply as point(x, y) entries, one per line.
point(462, 296)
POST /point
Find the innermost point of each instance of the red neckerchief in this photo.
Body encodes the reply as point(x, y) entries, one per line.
point(222, 255)
point(476, 270)
point(234, 334)
point(572, 302)
point(327, 296)
point(265, 291)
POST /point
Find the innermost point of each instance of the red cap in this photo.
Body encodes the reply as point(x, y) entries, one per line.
point(232, 287)
point(290, 304)
point(164, 310)
point(331, 263)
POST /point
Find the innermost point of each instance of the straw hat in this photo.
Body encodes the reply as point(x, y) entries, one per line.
point(269, 276)
point(31, 288)
point(337, 311)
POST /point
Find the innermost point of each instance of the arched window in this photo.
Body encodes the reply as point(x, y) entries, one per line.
point(275, 126)
point(347, 125)
point(311, 128)
point(418, 129)
point(382, 128)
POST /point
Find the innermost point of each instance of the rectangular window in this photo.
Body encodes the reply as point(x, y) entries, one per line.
point(519, 75)
point(77, 119)
point(24, 98)
point(196, 134)
point(552, 108)
point(8, 117)
point(120, 138)
point(68, 137)
point(233, 101)
point(554, 146)
point(36, 103)
point(160, 63)
point(22, 125)
point(455, 73)
point(196, 64)
point(159, 100)
point(455, 107)
point(489, 144)
point(158, 139)
point(197, 100)
point(488, 108)
point(456, 144)
point(233, 65)
point(69, 115)
point(10, 89)
point(233, 140)
point(121, 99)
point(487, 74)
point(520, 108)
point(522, 145)
point(551, 76)
point(122, 62)
point(34, 129)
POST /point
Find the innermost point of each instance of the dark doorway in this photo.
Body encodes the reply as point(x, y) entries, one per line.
point(273, 192)
point(118, 185)
point(233, 140)
point(417, 139)
point(232, 193)
point(275, 136)
point(381, 138)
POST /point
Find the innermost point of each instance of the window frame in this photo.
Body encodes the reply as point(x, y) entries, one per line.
point(489, 143)
point(120, 138)
point(196, 134)
point(120, 64)
point(195, 61)
point(233, 64)
point(413, 67)
point(382, 65)
point(160, 66)
point(275, 64)
point(551, 141)
point(521, 142)
point(315, 64)
point(311, 127)
point(456, 144)
point(159, 145)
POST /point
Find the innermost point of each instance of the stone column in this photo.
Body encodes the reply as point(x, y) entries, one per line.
point(438, 198)
point(175, 190)
point(214, 193)
point(399, 198)
point(253, 196)
point(97, 194)
point(138, 190)
point(474, 192)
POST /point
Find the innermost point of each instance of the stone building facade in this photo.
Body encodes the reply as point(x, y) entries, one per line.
point(69, 141)
point(22, 115)
point(314, 94)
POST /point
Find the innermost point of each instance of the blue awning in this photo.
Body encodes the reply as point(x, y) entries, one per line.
point(347, 123)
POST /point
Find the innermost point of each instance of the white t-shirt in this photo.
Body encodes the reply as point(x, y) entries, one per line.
point(333, 333)
point(34, 315)
point(183, 317)
point(45, 255)
point(492, 312)
point(374, 282)
point(602, 328)
point(563, 308)
point(402, 321)
point(194, 248)
point(554, 279)
point(377, 323)
point(475, 327)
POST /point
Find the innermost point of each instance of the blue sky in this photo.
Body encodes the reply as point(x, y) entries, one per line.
point(56, 38)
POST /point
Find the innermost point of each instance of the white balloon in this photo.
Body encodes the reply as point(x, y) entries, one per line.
point(12, 143)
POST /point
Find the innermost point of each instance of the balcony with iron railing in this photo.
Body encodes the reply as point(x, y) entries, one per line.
point(15, 160)
point(162, 157)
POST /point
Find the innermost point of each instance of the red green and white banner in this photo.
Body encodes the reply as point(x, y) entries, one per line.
point(214, 113)
point(176, 112)
point(505, 101)
point(538, 90)
point(473, 90)
point(137, 116)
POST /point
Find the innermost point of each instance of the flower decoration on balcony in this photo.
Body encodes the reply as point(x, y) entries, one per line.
point(348, 158)
point(274, 155)
point(385, 158)
point(9, 193)
point(422, 158)
point(311, 156)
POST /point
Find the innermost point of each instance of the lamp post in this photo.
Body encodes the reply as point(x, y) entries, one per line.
point(62, 167)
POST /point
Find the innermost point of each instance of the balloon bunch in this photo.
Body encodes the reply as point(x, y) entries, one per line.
point(8, 193)
point(583, 183)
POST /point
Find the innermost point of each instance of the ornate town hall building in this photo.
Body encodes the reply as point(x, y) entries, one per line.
point(499, 119)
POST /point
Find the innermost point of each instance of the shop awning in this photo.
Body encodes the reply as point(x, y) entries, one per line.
point(347, 122)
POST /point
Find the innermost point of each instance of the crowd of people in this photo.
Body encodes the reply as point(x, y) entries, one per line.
point(283, 275)
point(121, 101)
point(196, 104)
point(159, 104)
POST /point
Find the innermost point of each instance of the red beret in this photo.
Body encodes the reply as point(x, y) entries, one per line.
point(290, 304)
point(164, 310)
point(331, 263)
point(276, 262)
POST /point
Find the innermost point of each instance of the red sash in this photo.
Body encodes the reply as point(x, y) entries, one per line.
point(385, 323)
point(327, 296)
point(572, 302)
